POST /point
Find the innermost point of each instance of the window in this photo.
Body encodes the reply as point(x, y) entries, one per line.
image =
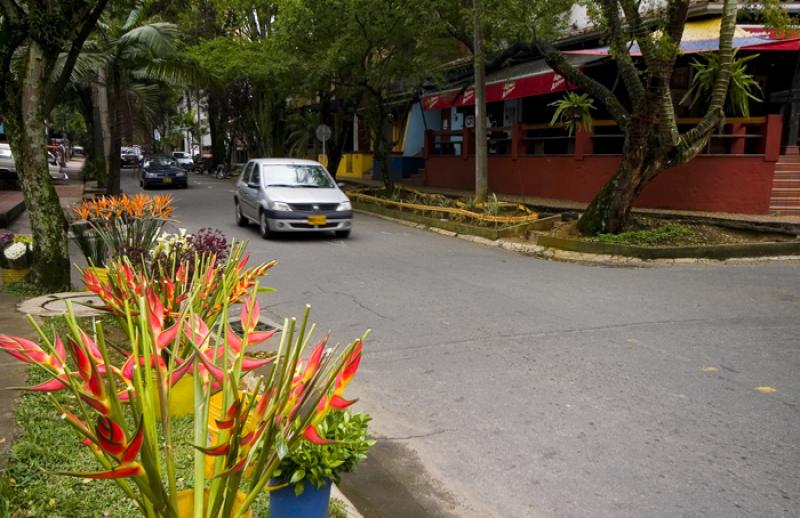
point(255, 178)
point(297, 175)
point(246, 174)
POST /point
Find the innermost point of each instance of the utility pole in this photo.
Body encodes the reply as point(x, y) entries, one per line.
point(481, 158)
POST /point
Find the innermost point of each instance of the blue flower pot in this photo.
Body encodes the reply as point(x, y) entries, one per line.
point(313, 503)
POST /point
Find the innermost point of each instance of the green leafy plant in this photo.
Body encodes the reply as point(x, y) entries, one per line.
point(743, 87)
point(652, 237)
point(119, 407)
point(319, 464)
point(573, 111)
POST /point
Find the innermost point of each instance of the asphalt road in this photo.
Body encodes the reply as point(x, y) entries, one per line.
point(504, 385)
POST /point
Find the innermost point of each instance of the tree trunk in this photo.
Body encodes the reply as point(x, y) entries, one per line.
point(98, 135)
point(114, 134)
point(609, 211)
point(481, 150)
point(25, 122)
point(216, 126)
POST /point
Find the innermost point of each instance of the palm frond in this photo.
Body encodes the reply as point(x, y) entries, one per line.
point(157, 39)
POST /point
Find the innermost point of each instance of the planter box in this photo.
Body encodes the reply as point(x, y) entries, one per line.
point(453, 226)
point(399, 167)
point(719, 252)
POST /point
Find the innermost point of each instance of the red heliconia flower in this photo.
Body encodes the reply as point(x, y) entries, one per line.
point(110, 436)
point(251, 313)
point(24, 350)
point(122, 471)
point(313, 436)
point(315, 360)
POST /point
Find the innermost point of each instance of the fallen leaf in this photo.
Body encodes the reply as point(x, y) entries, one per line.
point(766, 390)
point(709, 369)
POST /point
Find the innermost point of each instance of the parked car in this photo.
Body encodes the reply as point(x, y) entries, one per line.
point(162, 170)
point(129, 157)
point(184, 159)
point(8, 168)
point(57, 172)
point(287, 195)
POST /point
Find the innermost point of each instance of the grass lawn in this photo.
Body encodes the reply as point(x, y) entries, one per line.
point(30, 485)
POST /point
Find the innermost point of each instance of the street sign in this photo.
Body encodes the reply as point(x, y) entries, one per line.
point(323, 132)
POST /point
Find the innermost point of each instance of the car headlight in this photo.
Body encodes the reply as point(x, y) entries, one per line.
point(180, 173)
point(148, 174)
point(345, 205)
point(279, 205)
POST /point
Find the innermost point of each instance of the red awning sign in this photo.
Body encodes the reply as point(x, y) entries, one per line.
point(506, 90)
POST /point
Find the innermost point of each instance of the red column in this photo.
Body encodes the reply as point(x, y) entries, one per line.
point(737, 144)
point(428, 141)
point(772, 138)
point(583, 143)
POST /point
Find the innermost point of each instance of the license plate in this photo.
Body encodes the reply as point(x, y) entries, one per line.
point(317, 220)
point(167, 180)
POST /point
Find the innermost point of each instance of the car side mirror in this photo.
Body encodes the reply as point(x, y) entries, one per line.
point(341, 185)
point(252, 185)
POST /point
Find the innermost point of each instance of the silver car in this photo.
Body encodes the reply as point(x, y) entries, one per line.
point(287, 195)
point(8, 168)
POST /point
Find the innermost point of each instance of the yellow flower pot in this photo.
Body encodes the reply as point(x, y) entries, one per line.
point(13, 276)
point(181, 397)
point(186, 503)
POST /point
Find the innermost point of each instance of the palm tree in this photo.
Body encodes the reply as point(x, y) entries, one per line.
point(130, 63)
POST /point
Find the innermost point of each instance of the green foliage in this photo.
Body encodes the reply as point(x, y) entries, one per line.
point(31, 485)
point(573, 111)
point(741, 91)
point(319, 464)
point(652, 237)
point(25, 289)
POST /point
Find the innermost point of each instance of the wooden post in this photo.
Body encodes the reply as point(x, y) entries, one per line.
point(428, 142)
point(772, 138)
point(516, 133)
point(737, 144)
point(583, 143)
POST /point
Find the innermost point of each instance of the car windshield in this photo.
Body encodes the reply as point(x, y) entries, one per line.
point(291, 175)
point(179, 154)
point(159, 162)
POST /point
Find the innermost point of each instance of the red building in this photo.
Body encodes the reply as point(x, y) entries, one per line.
point(746, 168)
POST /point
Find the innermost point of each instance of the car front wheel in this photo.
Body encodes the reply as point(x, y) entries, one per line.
point(240, 220)
point(263, 225)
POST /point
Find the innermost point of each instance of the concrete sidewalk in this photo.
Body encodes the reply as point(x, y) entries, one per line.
point(12, 371)
point(554, 205)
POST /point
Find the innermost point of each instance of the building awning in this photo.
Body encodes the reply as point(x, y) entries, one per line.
point(703, 36)
point(523, 80)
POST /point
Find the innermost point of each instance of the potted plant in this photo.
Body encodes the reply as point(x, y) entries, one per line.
point(573, 111)
point(303, 479)
point(17, 258)
point(119, 406)
point(117, 226)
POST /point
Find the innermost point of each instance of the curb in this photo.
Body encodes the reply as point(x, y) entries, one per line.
point(9, 216)
point(351, 510)
point(556, 254)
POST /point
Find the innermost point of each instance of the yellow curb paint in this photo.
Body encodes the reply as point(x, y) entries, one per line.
point(709, 369)
point(766, 390)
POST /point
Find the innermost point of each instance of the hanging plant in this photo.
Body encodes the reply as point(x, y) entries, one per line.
point(742, 89)
point(573, 111)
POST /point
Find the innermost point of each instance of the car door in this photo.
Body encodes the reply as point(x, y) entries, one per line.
point(254, 191)
point(243, 191)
